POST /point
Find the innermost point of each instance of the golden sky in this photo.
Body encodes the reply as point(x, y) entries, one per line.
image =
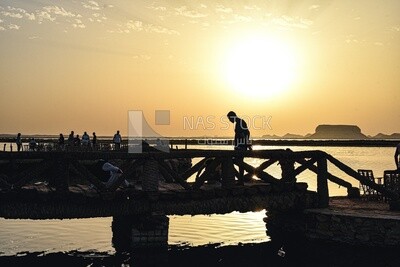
point(285, 66)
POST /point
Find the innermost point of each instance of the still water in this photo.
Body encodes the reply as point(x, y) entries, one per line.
point(94, 235)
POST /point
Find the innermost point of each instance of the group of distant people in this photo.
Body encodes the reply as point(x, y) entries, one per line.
point(73, 141)
point(33, 145)
point(85, 142)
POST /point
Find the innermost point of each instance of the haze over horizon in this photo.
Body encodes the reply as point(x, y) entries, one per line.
point(285, 66)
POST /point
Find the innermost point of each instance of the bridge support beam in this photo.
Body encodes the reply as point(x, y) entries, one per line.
point(150, 176)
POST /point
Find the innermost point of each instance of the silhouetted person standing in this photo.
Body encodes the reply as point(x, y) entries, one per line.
point(71, 139)
point(61, 141)
point(77, 141)
point(241, 140)
point(242, 133)
point(85, 140)
point(18, 141)
point(94, 141)
point(117, 141)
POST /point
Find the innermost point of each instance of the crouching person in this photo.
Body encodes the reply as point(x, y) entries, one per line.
point(113, 173)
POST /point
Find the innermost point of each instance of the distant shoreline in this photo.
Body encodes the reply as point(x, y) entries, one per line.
point(228, 141)
point(296, 142)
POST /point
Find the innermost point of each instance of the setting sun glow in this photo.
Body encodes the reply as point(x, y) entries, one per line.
point(72, 65)
point(260, 67)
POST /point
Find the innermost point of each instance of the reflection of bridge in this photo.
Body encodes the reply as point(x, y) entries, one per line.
point(56, 184)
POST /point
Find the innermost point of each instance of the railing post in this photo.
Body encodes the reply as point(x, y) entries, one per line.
point(150, 176)
point(288, 174)
point(322, 182)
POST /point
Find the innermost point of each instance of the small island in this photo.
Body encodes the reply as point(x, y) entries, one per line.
point(326, 131)
point(336, 131)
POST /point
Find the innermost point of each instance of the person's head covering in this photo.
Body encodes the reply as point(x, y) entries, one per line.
point(231, 116)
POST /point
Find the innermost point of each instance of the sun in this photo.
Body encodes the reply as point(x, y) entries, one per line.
point(259, 67)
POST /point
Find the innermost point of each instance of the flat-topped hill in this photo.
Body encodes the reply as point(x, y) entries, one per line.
point(326, 131)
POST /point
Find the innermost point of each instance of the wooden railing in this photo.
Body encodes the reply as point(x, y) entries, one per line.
point(62, 164)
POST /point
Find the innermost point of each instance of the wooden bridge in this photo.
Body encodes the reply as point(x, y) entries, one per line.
point(64, 184)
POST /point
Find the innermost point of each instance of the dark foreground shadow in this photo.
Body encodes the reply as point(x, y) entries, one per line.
point(261, 254)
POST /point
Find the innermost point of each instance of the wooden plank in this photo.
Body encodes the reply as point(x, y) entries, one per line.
point(379, 188)
point(262, 175)
point(193, 169)
point(189, 153)
point(331, 177)
point(265, 165)
point(174, 175)
point(207, 173)
point(305, 164)
point(166, 173)
point(85, 174)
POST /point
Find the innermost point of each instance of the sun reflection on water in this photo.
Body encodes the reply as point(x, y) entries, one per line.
point(227, 229)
